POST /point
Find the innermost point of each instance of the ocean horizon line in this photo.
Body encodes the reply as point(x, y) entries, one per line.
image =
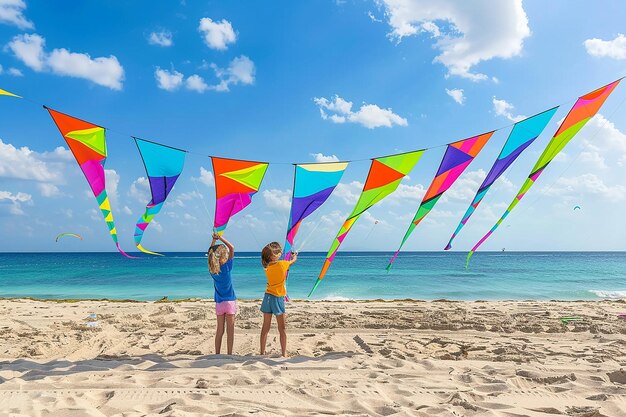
point(338, 253)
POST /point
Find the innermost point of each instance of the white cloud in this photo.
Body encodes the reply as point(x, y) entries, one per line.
point(593, 158)
point(350, 192)
point(25, 164)
point(478, 31)
point(196, 83)
point(615, 48)
point(601, 139)
point(188, 216)
point(29, 49)
point(168, 80)
point(104, 71)
point(465, 187)
point(324, 158)
point(405, 192)
point(372, 17)
point(278, 199)
point(372, 220)
point(58, 154)
point(49, 190)
point(573, 187)
point(504, 108)
point(15, 72)
point(14, 201)
point(12, 12)
point(162, 38)
point(206, 177)
point(95, 215)
point(330, 222)
point(248, 221)
point(140, 190)
point(127, 210)
point(369, 115)
point(156, 226)
point(457, 95)
point(217, 35)
point(193, 195)
point(241, 70)
point(112, 181)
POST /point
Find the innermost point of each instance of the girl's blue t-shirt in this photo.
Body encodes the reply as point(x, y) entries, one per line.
point(223, 283)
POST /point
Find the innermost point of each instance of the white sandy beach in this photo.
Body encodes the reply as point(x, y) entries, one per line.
point(401, 358)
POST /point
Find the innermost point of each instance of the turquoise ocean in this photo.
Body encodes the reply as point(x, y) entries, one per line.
point(353, 275)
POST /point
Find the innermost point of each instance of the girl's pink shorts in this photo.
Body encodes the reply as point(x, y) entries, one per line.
point(226, 307)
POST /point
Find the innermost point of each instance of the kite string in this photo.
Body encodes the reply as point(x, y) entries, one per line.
point(209, 216)
point(308, 236)
point(287, 163)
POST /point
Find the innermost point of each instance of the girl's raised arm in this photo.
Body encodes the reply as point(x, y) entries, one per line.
point(231, 248)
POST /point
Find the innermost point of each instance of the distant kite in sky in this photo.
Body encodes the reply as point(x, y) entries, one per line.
point(576, 207)
point(384, 177)
point(88, 145)
point(584, 109)
point(163, 166)
point(455, 160)
point(522, 135)
point(60, 235)
point(312, 185)
point(236, 181)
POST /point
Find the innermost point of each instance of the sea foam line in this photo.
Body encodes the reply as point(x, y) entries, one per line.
point(609, 294)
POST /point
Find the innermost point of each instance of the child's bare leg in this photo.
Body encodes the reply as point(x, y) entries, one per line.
point(283, 333)
point(230, 332)
point(267, 321)
point(219, 332)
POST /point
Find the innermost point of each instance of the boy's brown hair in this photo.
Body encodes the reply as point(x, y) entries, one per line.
point(270, 253)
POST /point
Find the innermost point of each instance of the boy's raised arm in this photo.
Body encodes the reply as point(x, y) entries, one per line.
point(294, 258)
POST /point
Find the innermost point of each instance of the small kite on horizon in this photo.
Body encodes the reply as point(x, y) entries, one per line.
point(60, 235)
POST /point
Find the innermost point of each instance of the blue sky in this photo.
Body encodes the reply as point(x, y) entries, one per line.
point(299, 81)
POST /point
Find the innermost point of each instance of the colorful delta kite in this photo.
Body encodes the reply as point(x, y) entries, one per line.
point(584, 109)
point(384, 177)
point(235, 183)
point(522, 135)
point(6, 93)
point(88, 145)
point(457, 157)
point(312, 185)
point(163, 165)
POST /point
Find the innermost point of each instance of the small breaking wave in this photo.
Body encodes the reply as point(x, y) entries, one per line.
point(609, 294)
point(333, 297)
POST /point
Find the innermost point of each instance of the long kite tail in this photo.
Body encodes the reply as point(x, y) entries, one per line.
point(469, 255)
point(141, 248)
point(314, 287)
point(393, 258)
point(124, 253)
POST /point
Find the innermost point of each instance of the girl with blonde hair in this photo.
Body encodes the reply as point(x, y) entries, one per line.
point(220, 259)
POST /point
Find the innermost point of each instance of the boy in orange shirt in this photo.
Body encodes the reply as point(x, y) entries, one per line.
point(274, 299)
